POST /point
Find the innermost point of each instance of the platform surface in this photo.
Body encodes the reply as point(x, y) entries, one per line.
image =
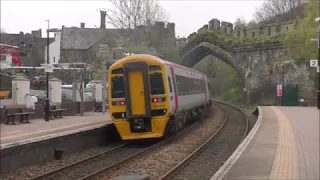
point(286, 146)
point(39, 128)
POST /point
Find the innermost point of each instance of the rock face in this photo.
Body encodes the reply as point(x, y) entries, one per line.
point(260, 68)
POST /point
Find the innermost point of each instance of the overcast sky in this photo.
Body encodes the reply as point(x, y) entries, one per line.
point(188, 16)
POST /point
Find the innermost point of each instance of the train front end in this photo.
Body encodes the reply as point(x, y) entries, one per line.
point(137, 97)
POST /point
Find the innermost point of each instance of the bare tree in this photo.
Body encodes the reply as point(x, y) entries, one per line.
point(84, 62)
point(127, 14)
point(278, 10)
point(240, 21)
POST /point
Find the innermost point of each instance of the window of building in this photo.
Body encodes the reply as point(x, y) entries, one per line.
point(253, 34)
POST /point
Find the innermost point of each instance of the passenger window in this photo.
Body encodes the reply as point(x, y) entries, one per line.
point(170, 86)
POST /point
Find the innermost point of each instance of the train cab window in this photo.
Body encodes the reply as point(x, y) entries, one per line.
point(156, 83)
point(117, 71)
point(154, 68)
point(117, 87)
point(170, 86)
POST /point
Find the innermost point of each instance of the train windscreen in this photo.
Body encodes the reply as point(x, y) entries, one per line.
point(156, 84)
point(117, 90)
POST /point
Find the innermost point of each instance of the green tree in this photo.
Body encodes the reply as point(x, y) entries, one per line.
point(298, 40)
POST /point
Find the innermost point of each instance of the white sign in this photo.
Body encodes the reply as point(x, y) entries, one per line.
point(313, 63)
point(48, 68)
point(279, 86)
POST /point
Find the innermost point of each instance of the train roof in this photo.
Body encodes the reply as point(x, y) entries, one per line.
point(154, 58)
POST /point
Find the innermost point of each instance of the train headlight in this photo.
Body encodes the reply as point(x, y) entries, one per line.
point(155, 100)
point(118, 103)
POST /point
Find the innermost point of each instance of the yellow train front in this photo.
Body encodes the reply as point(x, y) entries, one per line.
point(137, 97)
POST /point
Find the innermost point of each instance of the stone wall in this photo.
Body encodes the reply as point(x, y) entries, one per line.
point(262, 70)
point(251, 31)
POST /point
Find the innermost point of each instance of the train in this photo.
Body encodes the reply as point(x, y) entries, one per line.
point(151, 98)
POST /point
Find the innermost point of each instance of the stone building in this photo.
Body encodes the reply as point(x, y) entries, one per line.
point(31, 46)
point(101, 40)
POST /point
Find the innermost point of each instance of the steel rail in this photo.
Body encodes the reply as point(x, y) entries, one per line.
point(58, 170)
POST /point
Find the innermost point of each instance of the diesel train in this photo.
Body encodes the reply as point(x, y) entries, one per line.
point(151, 98)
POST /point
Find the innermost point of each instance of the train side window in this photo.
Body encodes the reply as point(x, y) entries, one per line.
point(170, 86)
point(117, 88)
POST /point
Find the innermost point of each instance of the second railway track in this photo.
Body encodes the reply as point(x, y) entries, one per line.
point(205, 161)
point(86, 166)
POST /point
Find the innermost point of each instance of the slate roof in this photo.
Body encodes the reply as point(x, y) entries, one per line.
point(83, 38)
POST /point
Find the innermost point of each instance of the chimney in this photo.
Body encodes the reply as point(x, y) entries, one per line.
point(103, 19)
point(82, 25)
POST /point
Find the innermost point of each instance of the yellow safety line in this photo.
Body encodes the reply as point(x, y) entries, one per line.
point(285, 165)
point(43, 131)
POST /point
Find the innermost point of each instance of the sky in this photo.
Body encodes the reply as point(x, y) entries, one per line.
point(187, 15)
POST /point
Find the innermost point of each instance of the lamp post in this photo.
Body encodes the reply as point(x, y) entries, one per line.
point(47, 107)
point(318, 71)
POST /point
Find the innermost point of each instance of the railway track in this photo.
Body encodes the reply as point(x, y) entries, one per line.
point(161, 156)
point(85, 166)
point(206, 160)
point(118, 164)
point(96, 164)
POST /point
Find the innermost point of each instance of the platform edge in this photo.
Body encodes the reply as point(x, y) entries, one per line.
point(50, 136)
point(220, 174)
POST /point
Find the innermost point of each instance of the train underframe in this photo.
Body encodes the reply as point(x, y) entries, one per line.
point(145, 128)
point(178, 122)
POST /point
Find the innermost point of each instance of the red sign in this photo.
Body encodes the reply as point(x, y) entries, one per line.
point(279, 90)
point(12, 51)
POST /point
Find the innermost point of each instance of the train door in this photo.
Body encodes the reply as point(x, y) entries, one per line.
point(171, 93)
point(175, 92)
point(138, 91)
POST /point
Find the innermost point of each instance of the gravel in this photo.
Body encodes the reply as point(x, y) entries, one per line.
point(32, 171)
point(158, 162)
point(95, 164)
point(214, 155)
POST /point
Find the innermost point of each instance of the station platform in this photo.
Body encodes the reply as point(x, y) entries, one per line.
point(39, 129)
point(283, 145)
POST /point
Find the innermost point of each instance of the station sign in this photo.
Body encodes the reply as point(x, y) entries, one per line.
point(314, 63)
